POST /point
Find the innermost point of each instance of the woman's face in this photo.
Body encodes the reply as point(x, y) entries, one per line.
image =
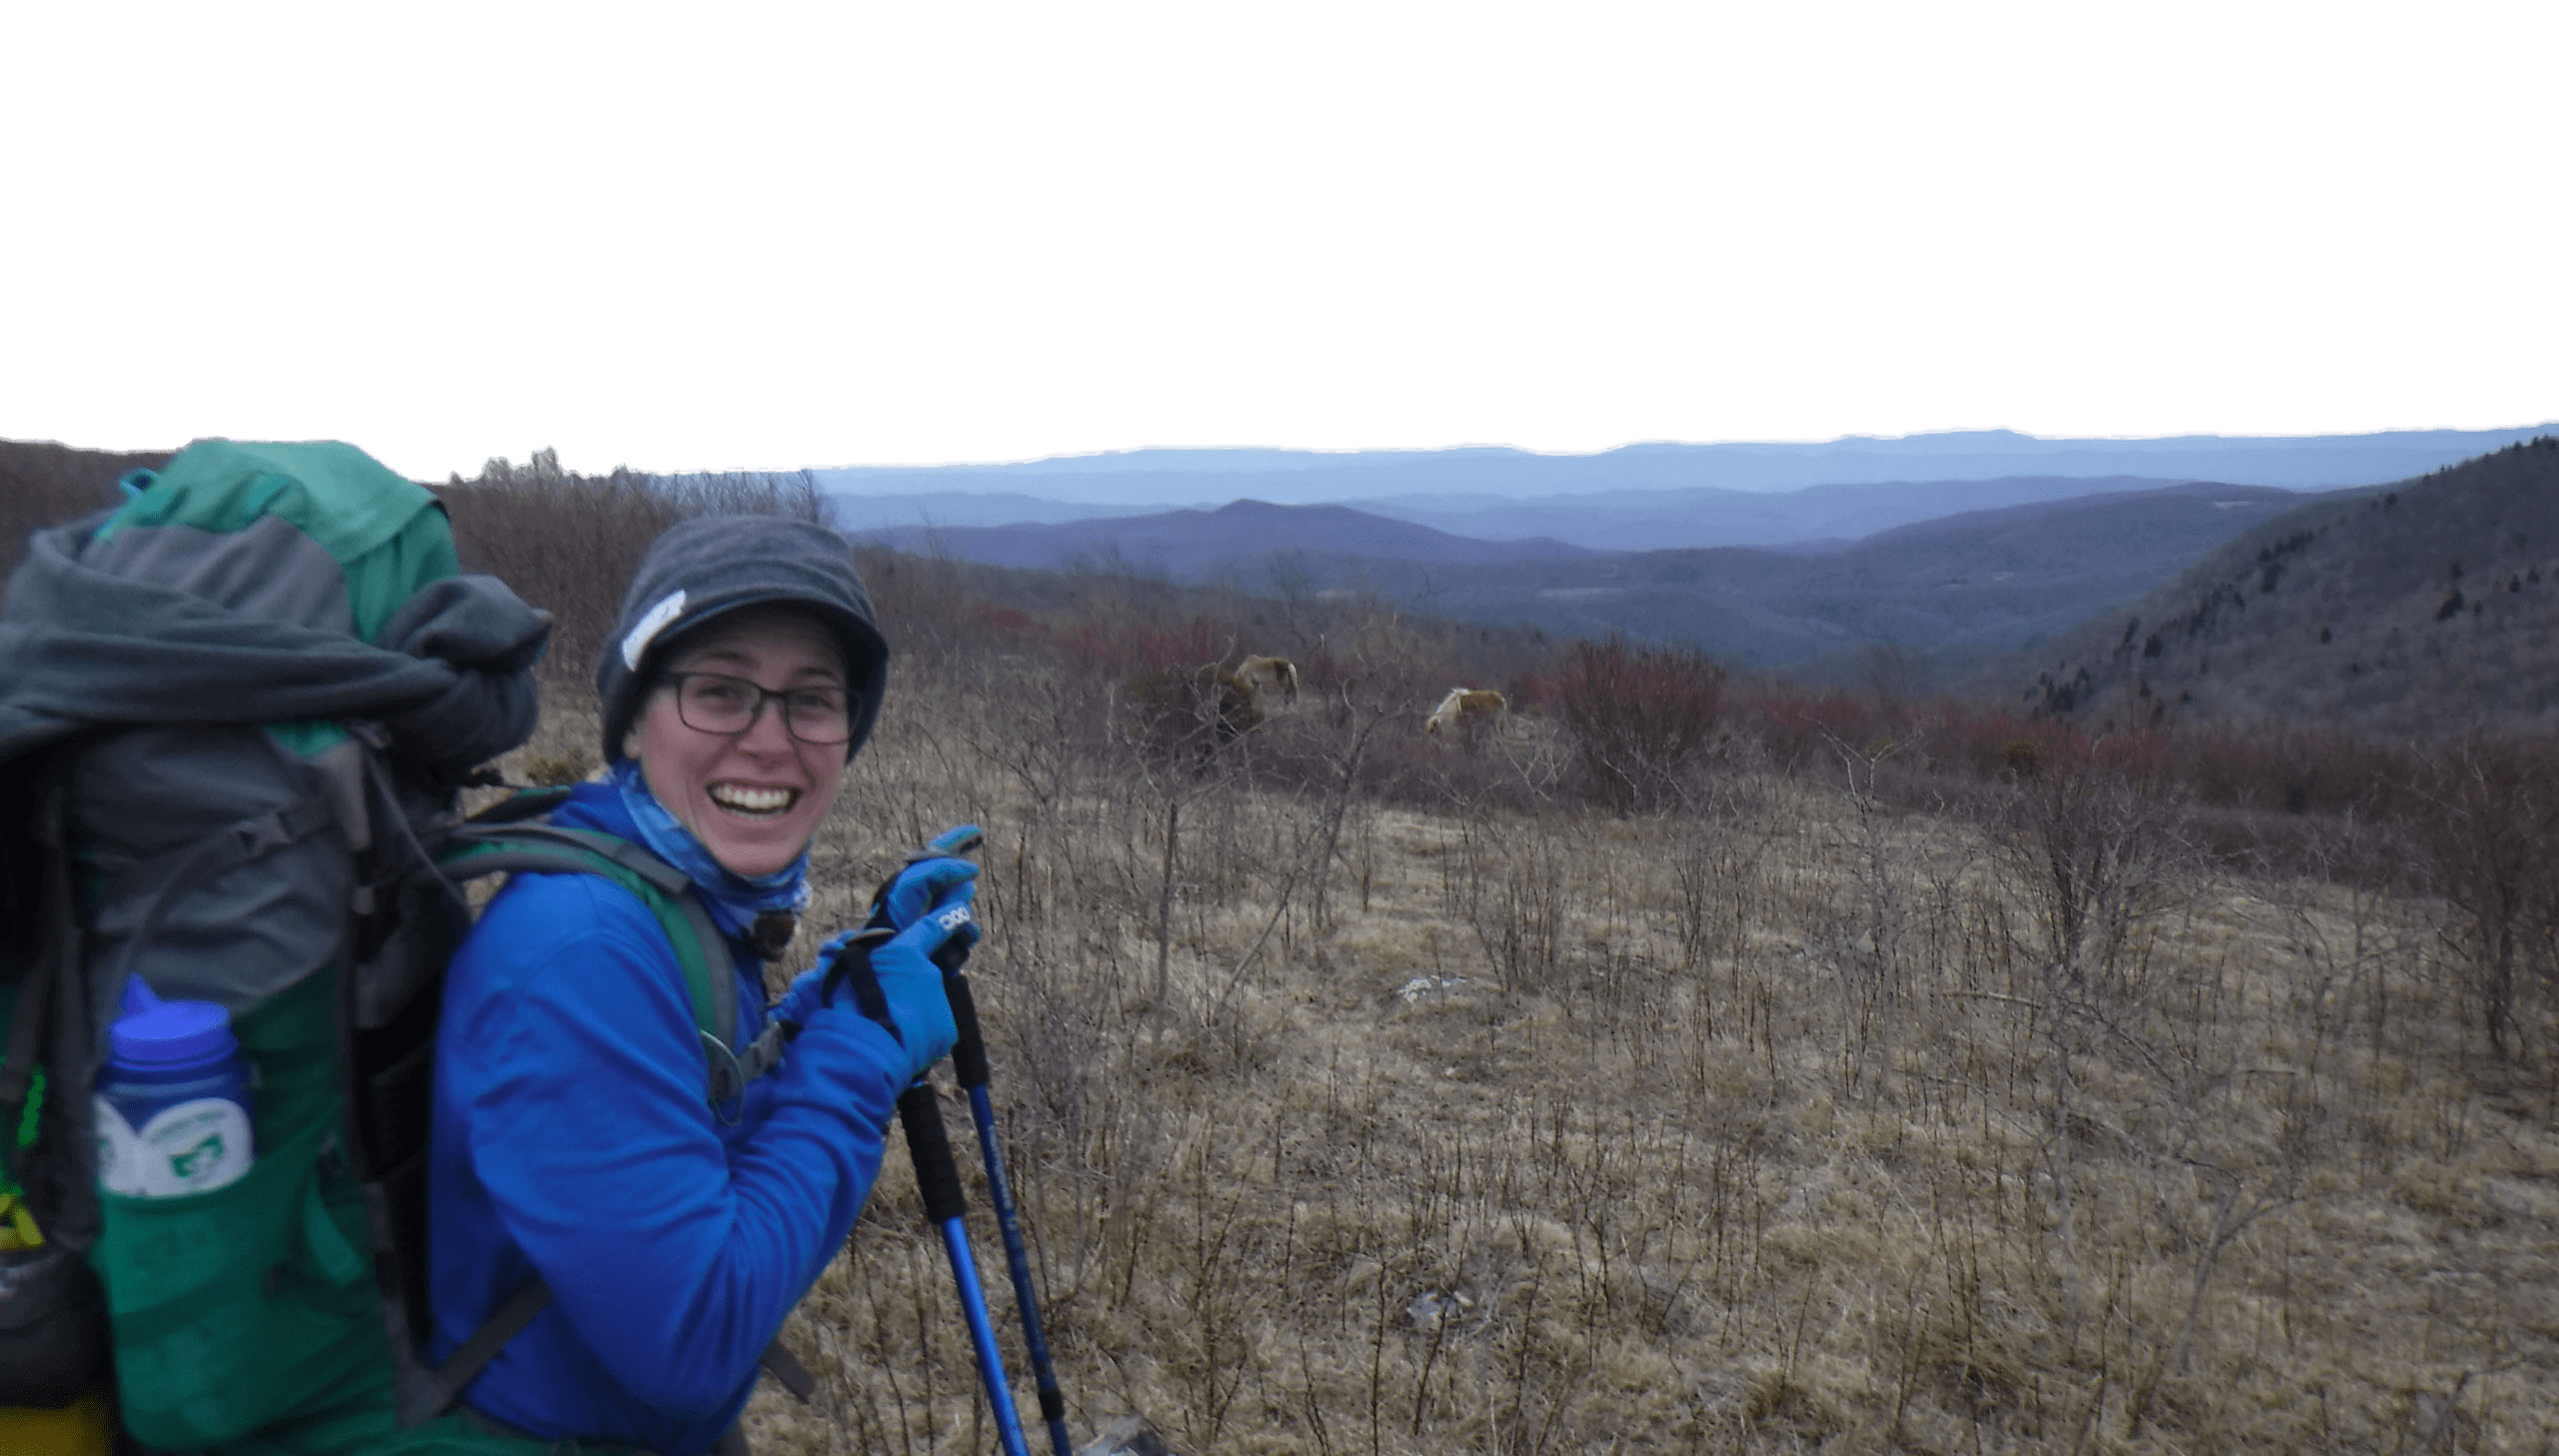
point(754, 798)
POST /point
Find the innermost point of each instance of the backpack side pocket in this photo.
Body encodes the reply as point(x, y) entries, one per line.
point(252, 1305)
point(244, 1306)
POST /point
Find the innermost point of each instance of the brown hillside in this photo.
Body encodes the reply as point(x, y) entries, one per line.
point(2418, 610)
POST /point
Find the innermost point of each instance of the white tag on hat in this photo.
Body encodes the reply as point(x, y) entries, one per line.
point(636, 646)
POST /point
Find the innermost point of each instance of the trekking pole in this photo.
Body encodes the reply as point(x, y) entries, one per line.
point(969, 1059)
point(938, 1179)
point(937, 1176)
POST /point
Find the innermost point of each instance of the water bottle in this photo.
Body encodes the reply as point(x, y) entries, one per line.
point(173, 1099)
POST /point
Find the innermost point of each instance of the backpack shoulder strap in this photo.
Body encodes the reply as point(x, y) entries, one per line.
point(443, 1386)
point(701, 950)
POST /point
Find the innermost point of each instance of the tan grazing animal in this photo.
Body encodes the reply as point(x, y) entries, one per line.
point(1260, 675)
point(1463, 703)
point(1210, 707)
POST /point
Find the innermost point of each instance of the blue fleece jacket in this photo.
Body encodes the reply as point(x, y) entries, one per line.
point(572, 1139)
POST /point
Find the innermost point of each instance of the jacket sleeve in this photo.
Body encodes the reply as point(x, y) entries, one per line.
point(673, 1256)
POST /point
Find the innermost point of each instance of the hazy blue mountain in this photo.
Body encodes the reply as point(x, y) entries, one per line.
point(1240, 539)
point(1977, 582)
point(1817, 518)
point(1970, 584)
point(1814, 518)
point(965, 507)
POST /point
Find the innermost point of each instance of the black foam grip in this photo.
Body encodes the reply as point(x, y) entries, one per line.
point(1053, 1403)
point(929, 1143)
point(968, 1053)
point(851, 970)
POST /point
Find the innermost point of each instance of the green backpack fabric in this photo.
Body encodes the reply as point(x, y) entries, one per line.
point(235, 718)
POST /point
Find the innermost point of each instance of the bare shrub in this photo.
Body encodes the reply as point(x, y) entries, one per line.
point(1713, 860)
point(1866, 946)
point(939, 618)
point(568, 543)
point(1643, 722)
point(2482, 841)
point(1516, 883)
point(2095, 834)
point(1797, 729)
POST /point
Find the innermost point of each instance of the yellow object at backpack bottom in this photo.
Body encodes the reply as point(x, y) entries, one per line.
point(83, 1428)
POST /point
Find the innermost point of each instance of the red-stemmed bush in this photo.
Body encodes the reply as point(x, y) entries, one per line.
point(1800, 730)
point(1642, 722)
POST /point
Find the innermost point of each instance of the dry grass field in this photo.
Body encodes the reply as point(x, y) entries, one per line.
point(1463, 1118)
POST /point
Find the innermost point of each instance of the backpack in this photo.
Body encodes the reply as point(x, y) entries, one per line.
point(236, 716)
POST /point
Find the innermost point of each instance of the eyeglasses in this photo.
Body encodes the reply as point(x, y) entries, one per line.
point(715, 703)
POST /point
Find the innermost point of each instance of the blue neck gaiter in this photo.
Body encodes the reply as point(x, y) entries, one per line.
point(732, 900)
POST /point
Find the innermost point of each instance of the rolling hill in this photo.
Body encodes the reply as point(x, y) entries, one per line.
point(1971, 583)
point(1239, 539)
point(2415, 609)
point(1814, 518)
point(1811, 517)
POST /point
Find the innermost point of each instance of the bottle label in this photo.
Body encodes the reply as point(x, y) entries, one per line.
point(193, 1147)
point(119, 1154)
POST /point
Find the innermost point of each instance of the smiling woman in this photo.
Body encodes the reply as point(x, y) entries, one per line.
point(751, 786)
point(659, 1236)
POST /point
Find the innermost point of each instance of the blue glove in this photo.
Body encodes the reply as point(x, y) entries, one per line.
point(918, 1009)
point(895, 983)
point(922, 884)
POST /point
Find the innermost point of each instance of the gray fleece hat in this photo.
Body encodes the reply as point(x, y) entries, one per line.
point(710, 565)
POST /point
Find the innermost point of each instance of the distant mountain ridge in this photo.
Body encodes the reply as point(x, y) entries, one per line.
point(1241, 537)
point(2423, 608)
point(2421, 603)
point(1203, 477)
point(937, 509)
point(1973, 584)
point(1814, 518)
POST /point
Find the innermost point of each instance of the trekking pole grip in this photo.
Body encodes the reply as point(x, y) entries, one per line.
point(969, 1052)
point(929, 1144)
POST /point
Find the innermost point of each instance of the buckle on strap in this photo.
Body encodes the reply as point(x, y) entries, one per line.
point(764, 1052)
point(255, 839)
point(728, 1080)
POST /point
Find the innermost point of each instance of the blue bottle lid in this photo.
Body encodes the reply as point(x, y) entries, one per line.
point(154, 1032)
